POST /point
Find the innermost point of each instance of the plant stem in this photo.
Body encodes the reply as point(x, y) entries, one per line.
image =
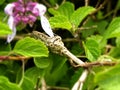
point(23, 68)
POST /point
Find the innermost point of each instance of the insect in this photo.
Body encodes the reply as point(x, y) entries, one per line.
point(57, 46)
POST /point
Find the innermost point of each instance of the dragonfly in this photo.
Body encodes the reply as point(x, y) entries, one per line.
point(57, 46)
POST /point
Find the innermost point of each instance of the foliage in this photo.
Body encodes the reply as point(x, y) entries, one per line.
point(4, 29)
point(90, 33)
point(30, 47)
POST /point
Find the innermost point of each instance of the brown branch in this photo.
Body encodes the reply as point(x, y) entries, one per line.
point(87, 28)
point(70, 40)
point(97, 5)
point(73, 63)
point(97, 9)
point(86, 2)
point(100, 7)
point(97, 63)
point(14, 58)
point(17, 37)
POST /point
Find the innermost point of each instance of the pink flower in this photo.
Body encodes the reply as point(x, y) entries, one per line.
point(26, 12)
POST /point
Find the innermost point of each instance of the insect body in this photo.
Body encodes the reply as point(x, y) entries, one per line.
point(57, 46)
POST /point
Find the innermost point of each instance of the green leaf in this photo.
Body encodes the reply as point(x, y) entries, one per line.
point(88, 32)
point(10, 1)
point(77, 50)
point(66, 9)
point(5, 84)
point(98, 39)
point(34, 73)
point(92, 49)
point(31, 48)
point(2, 16)
point(27, 84)
point(78, 15)
point(56, 70)
point(3, 69)
point(101, 26)
point(42, 62)
point(60, 21)
point(94, 27)
point(4, 29)
point(53, 2)
point(109, 78)
point(115, 52)
point(2, 1)
point(118, 5)
point(118, 42)
point(4, 48)
point(100, 15)
point(76, 76)
point(53, 11)
point(113, 29)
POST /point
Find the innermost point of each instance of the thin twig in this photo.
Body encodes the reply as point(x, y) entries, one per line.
point(100, 7)
point(16, 37)
point(99, 63)
point(63, 1)
point(46, 3)
point(86, 2)
point(108, 14)
point(87, 28)
point(16, 58)
point(97, 5)
point(23, 70)
point(97, 9)
point(93, 64)
point(116, 9)
point(44, 86)
point(79, 84)
point(70, 40)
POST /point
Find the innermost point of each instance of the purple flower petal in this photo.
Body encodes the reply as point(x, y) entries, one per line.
point(40, 8)
point(12, 26)
point(9, 9)
point(25, 19)
point(32, 18)
point(30, 6)
point(21, 1)
point(46, 26)
point(19, 7)
point(35, 12)
point(17, 18)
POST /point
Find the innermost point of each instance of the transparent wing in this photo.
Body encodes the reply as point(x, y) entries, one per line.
point(46, 26)
point(12, 26)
